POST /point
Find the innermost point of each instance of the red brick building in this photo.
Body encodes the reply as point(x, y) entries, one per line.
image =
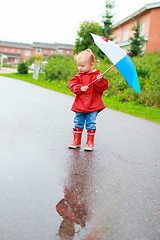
point(16, 52)
point(149, 18)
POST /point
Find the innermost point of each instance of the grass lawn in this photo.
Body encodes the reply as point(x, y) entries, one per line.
point(148, 113)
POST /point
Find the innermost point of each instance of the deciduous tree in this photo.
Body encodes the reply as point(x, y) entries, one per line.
point(84, 39)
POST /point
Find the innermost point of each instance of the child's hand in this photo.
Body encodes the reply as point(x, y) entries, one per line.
point(99, 78)
point(84, 88)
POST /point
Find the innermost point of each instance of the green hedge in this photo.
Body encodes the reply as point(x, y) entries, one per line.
point(60, 67)
point(148, 69)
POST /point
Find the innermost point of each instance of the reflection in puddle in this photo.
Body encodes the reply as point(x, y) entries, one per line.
point(75, 207)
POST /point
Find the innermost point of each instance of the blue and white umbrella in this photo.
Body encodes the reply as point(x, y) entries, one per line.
point(120, 60)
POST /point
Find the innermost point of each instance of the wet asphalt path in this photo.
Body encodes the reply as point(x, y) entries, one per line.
point(114, 190)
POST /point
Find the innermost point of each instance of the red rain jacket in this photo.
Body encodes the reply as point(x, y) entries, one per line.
point(90, 100)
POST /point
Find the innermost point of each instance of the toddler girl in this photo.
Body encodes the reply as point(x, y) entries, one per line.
point(88, 102)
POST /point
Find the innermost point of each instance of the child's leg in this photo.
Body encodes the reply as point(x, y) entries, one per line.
point(77, 130)
point(79, 120)
point(91, 129)
point(91, 120)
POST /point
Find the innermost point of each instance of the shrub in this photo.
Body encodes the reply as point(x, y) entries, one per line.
point(33, 58)
point(7, 65)
point(60, 67)
point(148, 70)
point(22, 68)
point(57, 56)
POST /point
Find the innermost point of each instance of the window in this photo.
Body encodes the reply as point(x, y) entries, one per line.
point(12, 50)
point(27, 52)
point(126, 35)
point(114, 38)
point(142, 27)
point(51, 51)
point(18, 50)
point(38, 51)
point(59, 51)
point(5, 49)
point(16, 60)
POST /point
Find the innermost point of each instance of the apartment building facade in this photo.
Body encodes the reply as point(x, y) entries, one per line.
point(149, 19)
point(16, 52)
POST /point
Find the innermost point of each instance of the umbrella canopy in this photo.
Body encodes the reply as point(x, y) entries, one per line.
point(120, 59)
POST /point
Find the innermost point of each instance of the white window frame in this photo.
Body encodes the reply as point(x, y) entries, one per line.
point(142, 27)
point(126, 35)
point(27, 52)
point(38, 51)
point(59, 51)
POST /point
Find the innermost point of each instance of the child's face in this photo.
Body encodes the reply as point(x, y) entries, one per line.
point(84, 66)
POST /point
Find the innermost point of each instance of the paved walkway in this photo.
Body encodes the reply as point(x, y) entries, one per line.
point(10, 70)
point(113, 193)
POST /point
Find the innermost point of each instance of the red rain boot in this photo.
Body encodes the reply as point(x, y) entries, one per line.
point(77, 134)
point(90, 140)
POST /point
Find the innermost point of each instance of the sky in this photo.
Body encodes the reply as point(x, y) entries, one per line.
point(56, 21)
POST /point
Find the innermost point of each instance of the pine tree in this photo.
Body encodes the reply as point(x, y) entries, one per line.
point(137, 41)
point(107, 19)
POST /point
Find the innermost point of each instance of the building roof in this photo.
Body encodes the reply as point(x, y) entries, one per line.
point(144, 8)
point(15, 45)
point(52, 45)
point(13, 55)
point(36, 45)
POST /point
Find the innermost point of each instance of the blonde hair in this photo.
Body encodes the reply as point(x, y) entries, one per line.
point(89, 54)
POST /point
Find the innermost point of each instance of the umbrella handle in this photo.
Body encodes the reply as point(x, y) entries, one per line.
point(108, 69)
point(102, 74)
